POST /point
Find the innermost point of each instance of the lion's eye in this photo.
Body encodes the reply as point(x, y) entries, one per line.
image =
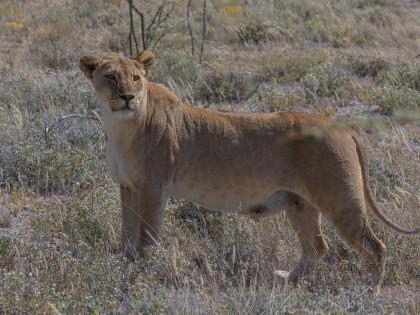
point(111, 77)
point(136, 77)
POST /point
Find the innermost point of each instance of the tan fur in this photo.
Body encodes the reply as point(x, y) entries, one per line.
point(255, 164)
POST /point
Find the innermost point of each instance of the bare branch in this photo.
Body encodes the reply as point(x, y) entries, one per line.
point(60, 120)
point(158, 20)
point(142, 25)
point(150, 34)
point(189, 27)
point(204, 30)
point(132, 35)
point(156, 40)
point(158, 13)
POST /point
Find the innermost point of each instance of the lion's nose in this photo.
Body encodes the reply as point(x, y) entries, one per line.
point(127, 97)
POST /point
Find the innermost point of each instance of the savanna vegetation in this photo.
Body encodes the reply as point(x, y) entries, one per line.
point(354, 61)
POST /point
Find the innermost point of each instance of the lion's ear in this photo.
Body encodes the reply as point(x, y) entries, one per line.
point(88, 64)
point(145, 58)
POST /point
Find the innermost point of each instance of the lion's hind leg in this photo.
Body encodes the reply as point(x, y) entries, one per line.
point(306, 221)
point(352, 225)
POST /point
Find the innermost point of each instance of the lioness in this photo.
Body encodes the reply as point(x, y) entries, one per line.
point(256, 164)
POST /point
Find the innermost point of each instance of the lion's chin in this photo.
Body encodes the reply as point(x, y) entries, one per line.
point(123, 113)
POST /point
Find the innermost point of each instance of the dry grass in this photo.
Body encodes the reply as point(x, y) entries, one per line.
point(59, 212)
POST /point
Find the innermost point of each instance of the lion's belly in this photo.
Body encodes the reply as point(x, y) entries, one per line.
point(240, 198)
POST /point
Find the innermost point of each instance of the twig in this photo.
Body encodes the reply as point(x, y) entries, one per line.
point(204, 31)
point(142, 25)
point(159, 18)
point(47, 130)
point(132, 34)
point(190, 28)
point(149, 34)
point(158, 39)
point(157, 15)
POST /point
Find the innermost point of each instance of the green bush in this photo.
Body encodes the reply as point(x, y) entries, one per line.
point(327, 79)
point(255, 32)
point(290, 66)
point(391, 99)
point(273, 97)
point(367, 66)
point(218, 86)
point(406, 76)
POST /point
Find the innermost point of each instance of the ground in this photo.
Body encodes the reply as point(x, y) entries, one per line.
point(353, 61)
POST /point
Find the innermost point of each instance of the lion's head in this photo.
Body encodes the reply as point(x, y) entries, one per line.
point(119, 81)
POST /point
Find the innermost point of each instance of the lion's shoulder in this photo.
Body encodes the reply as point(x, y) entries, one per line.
point(159, 94)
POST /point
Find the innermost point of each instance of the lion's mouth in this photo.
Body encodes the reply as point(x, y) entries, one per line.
point(122, 108)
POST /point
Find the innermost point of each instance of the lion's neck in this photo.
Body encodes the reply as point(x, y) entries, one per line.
point(169, 110)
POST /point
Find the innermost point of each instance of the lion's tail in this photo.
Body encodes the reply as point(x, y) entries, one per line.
point(369, 195)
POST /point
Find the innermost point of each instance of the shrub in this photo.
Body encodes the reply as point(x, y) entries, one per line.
point(327, 79)
point(273, 97)
point(226, 86)
point(402, 76)
point(367, 66)
point(255, 32)
point(290, 66)
point(391, 99)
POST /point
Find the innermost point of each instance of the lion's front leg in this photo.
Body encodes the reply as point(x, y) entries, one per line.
point(130, 222)
point(142, 219)
point(152, 210)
